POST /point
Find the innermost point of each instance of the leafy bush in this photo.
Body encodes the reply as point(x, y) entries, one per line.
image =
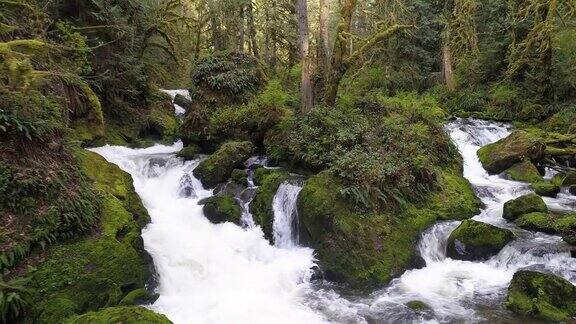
point(386, 149)
point(13, 299)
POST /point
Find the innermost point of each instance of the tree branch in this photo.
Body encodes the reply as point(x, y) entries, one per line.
point(373, 41)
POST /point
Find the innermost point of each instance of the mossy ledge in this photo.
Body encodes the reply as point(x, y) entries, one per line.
point(541, 295)
point(370, 249)
point(261, 207)
point(124, 315)
point(101, 269)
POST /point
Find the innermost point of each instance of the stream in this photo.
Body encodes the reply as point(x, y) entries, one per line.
point(230, 274)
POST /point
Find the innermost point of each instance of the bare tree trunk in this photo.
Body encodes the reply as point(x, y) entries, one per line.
point(322, 47)
point(215, 26)
point(241, 27)
point(306, 85)
point(447, 72)
point(252, 30)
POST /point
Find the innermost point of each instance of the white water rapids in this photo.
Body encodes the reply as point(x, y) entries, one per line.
point(229, 274)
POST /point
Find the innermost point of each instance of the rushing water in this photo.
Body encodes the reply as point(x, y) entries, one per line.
point(230, 274)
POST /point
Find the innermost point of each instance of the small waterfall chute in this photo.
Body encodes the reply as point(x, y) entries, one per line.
point(285, 215)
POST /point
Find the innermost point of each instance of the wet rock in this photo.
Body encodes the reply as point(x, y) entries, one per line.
point(526, 204)
point(546, 189)
point(186, 189)
point(218, 167)
point(220, 209)
point(183, 102)
point(417, 305)
point(189, 153)
point(517, 147)
point(565, 178)
point(572, 189)
point(474, 240)
point(524, 171)
point(541, 295)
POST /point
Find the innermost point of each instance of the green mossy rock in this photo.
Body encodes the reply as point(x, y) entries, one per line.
point(120, 315)
point(526, 204)
point(524, 171)
point(564, 225)
point(97, 271)
point(182, 101)
point(417, 305)
point(240, 176)
point(218, 167)
point(371, 249)
point(517, 147)
point(260, 173)
point(220, 209)
point(261, 206)
point(541, 295)
point(474, 240)
point(139, 296)
point(546, 189)
point(189, 153)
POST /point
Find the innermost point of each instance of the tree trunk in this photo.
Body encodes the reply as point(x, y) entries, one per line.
point(338, 69)
point(241, 32)
point(447, 72)
point(322, 47)
point(306, 85)
point(252, 30)
point(215, 26)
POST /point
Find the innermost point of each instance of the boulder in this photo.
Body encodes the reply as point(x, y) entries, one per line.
point(139, 296)
point(546, 189)
point(539, 222)
point(183, 102)
point(524, 171)
point(189, 153)
point(517, 147)
point(220, 209)
point(125, 315)
point(572, 189)
point(261, 206)
point(418, 306)
point(474, 240)
point(541, 295)
point(218, 167)
point(526, 204)
point(240, 176)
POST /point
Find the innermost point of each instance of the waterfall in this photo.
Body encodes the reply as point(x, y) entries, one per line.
point(285, 215)
point(211, 273)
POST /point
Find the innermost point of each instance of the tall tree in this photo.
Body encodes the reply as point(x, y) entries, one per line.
point(303, 42)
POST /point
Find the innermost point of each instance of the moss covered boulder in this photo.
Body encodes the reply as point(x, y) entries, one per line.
point(524, 171)
point(98, 270)
point(546, 189)
point(563, 224)
point(365, 249)
point(189, 153)
point(517, 147)
point(541, 295)
point(474, 240)
point(530, 203)
point(565, 178)
point(124, 315)
point(240, 176)
point(261, 206)
point(218, 167)
point(572, 189)
point(220, 209)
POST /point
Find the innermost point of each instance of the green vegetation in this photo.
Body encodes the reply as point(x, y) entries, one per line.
point(526, 204)
point(541, 295)
point(125, 315)
point(547, 189)
point(474, 240)
point(218, 167)
point(562, 224)
point(219, 209)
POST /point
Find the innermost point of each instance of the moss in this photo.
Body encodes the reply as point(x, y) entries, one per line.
point(417, 305)
point(96, 271)
point(189, 153)
point(138, 297)
point(524, 171)
point(541, 295)
point(240, 176)
point(547, 189)
point(565, 178)
point(474, 240)
point(526, 204)
point(218, 167)
point(564, 225)
point(219, 209)
point(517, 147)
point(372, 248)
point(124, 315)
point(261, 173)
point(261, 206)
